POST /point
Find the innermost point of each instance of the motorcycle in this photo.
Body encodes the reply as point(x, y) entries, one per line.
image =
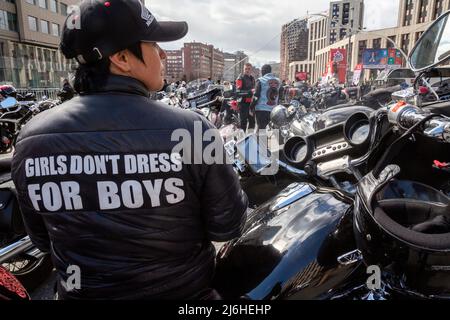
point(370, 195)
point(17, 254)
point(14, 115)
point(303, 116)
point(296, 120)
point(11, 288)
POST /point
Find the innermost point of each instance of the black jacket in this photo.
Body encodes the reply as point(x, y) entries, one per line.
point(115, 200)
point(66, 92)
point(244, 88)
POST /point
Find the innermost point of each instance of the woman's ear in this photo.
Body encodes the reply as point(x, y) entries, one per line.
point(120, 62)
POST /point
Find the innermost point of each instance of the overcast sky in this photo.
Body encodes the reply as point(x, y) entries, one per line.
point(253, 26)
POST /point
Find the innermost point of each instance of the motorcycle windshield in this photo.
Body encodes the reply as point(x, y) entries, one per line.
point(197, 87)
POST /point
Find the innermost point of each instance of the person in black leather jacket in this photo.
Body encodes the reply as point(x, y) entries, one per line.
point(245, 84)
point(66, 92)
point(106, 184)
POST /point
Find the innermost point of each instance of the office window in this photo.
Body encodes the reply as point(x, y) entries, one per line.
point(55, 29)
point(8, 21)
point(377, 43)
point(405, 43)
point(32, 23)
point(389, 44)
point(63, 8)
point(361, 47)
point(418, 35)
point(438, 6)
point(408, 12)
point(53, 6)
point(423, 4)
point(43, 4)
point(3, 20)
point(44, 26)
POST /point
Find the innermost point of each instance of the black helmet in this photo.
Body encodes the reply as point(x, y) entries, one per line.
point(8, 91)
point(279, 116)
point(404, 228)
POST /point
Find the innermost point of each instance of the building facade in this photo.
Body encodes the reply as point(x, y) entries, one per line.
point(229, 62)
point(202, 61)
point(343, 15)
point(217, 65)
point(293, 45)
point(318, 39)
point(275, 68)
point(413, 19)
point(30, 32)
point(173, 65)
point(234, 65)
point(420, 11)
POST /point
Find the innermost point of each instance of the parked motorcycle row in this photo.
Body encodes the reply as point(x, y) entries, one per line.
point(354, 204)
point(361, 188)
point(22, 266)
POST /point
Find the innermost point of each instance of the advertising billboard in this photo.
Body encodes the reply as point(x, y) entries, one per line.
point(381, 59)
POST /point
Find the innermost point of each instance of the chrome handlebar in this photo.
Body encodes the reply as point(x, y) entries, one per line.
point(407, 116)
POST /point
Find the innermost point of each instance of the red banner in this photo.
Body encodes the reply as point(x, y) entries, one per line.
point(338, 63)
point(301, 76)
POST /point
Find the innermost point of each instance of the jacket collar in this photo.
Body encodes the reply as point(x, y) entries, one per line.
point(119, 84)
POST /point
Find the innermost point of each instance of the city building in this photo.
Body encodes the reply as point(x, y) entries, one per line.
point(275, 68)
point(202, 61)
point(30, 32)
point(173, 65)
point(343, 15)
point(256, 72)
point(413, 19)
point(229, 61)
point(234, 65)
point(293, 44)
point(217, 65)
point(318, 39)
point(241, 60)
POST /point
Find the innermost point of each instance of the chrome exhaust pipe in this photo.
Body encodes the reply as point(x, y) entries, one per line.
point(12, 250)
point(35, 253)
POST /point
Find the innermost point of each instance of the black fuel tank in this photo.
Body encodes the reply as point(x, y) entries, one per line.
point(290, 248)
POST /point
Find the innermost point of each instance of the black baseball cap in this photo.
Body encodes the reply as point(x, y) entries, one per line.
point(96, 29)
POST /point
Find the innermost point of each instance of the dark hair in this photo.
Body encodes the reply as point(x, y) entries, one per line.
point(265, 69)
point(94, 75)
point(248, 64)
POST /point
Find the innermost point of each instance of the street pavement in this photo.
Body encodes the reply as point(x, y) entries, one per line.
point(46, 290)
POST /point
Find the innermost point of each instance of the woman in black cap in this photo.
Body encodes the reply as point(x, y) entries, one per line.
point(101, 183)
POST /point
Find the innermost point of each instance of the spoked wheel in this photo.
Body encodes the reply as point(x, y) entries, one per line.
point(30, 271)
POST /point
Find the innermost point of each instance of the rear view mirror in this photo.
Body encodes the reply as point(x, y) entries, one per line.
point(433, 47)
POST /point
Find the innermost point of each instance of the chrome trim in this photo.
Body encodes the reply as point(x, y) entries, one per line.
point(35, 253)
point(292, 194)
point(14, 249)
point(350, 258)
point(326, 169)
